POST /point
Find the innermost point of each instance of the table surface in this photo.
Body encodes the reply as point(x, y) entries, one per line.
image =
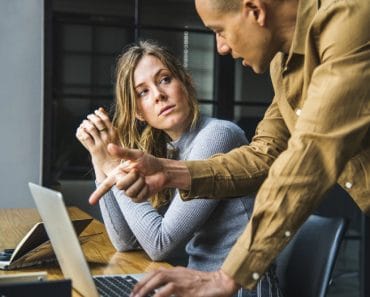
point(99, 252)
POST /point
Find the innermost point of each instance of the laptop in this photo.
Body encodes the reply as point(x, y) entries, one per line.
point(58, 225)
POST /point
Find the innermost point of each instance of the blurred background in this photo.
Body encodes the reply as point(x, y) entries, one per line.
point(58, 61)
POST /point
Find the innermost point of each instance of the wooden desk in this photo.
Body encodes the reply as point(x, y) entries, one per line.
point(99, 252)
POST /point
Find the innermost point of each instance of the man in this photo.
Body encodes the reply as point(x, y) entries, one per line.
point(315, 132)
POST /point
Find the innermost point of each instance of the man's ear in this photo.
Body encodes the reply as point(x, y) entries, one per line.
point(255, 9)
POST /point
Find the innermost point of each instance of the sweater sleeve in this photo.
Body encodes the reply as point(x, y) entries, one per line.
point(115, 223)
point(160, 235)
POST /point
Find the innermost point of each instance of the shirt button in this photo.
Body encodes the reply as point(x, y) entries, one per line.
point(298, 111)
point(348, 185)
point(255, 276)
point(287, 233)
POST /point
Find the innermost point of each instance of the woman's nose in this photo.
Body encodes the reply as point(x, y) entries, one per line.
point(159, 94)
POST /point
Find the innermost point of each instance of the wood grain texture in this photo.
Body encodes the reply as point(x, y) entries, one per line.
point(99, 252)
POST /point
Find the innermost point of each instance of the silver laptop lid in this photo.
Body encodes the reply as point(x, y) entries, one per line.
point(63, 238)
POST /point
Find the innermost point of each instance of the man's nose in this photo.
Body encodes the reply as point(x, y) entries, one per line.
point(222, 47)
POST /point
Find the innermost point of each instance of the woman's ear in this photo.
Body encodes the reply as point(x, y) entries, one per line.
point(255, 9)
point(140, 117)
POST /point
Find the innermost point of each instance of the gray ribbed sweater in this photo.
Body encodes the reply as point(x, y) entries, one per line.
point(209, 227)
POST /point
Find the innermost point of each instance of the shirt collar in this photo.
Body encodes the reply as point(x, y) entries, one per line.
point(305, 13)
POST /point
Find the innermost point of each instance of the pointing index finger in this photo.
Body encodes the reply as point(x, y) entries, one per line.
point(124, 153)
point(102, 189)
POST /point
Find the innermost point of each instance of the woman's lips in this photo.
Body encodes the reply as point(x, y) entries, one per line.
point(166, 110)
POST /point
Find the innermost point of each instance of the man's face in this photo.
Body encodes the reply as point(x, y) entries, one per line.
point(241, 33)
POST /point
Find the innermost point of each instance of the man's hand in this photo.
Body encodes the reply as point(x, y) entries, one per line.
point(140, 175)
point(184, 282)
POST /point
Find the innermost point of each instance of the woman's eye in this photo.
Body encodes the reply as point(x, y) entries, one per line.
point(166, 79)
point(142, 93)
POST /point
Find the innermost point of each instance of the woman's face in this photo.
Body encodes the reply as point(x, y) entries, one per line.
point(161, 99)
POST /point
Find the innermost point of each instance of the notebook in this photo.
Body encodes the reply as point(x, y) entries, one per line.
point(34, 248)
point(58, 225)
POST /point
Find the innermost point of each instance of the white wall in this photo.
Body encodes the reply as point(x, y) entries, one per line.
point(21, 97)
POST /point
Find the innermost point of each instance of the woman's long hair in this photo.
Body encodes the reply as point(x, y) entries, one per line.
point(133, 133)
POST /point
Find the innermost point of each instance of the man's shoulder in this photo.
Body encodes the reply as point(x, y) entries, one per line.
point(325, 5)
point(341, 26)
point(347, 12)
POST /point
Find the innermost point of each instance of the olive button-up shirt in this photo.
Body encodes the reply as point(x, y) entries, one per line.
point(315, 133)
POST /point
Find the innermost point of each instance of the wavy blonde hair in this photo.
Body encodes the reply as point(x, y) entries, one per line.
point(133, 133)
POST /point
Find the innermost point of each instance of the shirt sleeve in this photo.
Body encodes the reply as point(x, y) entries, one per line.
point(334, 121)
point(160, 235)
point(241, 171)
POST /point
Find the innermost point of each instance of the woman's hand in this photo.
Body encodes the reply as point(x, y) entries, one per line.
point(95, 133)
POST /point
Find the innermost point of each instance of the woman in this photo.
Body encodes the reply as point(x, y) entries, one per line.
point(157, 111)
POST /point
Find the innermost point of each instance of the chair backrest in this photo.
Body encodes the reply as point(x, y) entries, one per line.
point(305, 265)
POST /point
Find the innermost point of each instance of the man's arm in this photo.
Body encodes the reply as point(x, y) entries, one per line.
point(242, 170)
point(142, 175)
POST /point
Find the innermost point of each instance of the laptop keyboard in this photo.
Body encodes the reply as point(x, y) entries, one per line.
point(115, 285)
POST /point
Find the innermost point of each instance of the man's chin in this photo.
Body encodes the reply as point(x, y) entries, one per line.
point(245, 64)
point(258, 69)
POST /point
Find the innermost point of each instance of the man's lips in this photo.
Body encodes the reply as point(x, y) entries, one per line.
point(236, 57)
point(166, 109)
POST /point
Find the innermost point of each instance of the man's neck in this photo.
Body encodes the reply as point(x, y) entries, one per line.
point(285, 13)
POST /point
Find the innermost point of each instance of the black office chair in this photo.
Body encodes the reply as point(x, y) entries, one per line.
point(305, 265)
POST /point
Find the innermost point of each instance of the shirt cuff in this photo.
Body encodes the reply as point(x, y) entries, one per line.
point(248, 270)
point(201, 181)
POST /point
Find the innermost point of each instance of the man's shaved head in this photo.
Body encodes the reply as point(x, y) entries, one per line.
point(225, 5)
